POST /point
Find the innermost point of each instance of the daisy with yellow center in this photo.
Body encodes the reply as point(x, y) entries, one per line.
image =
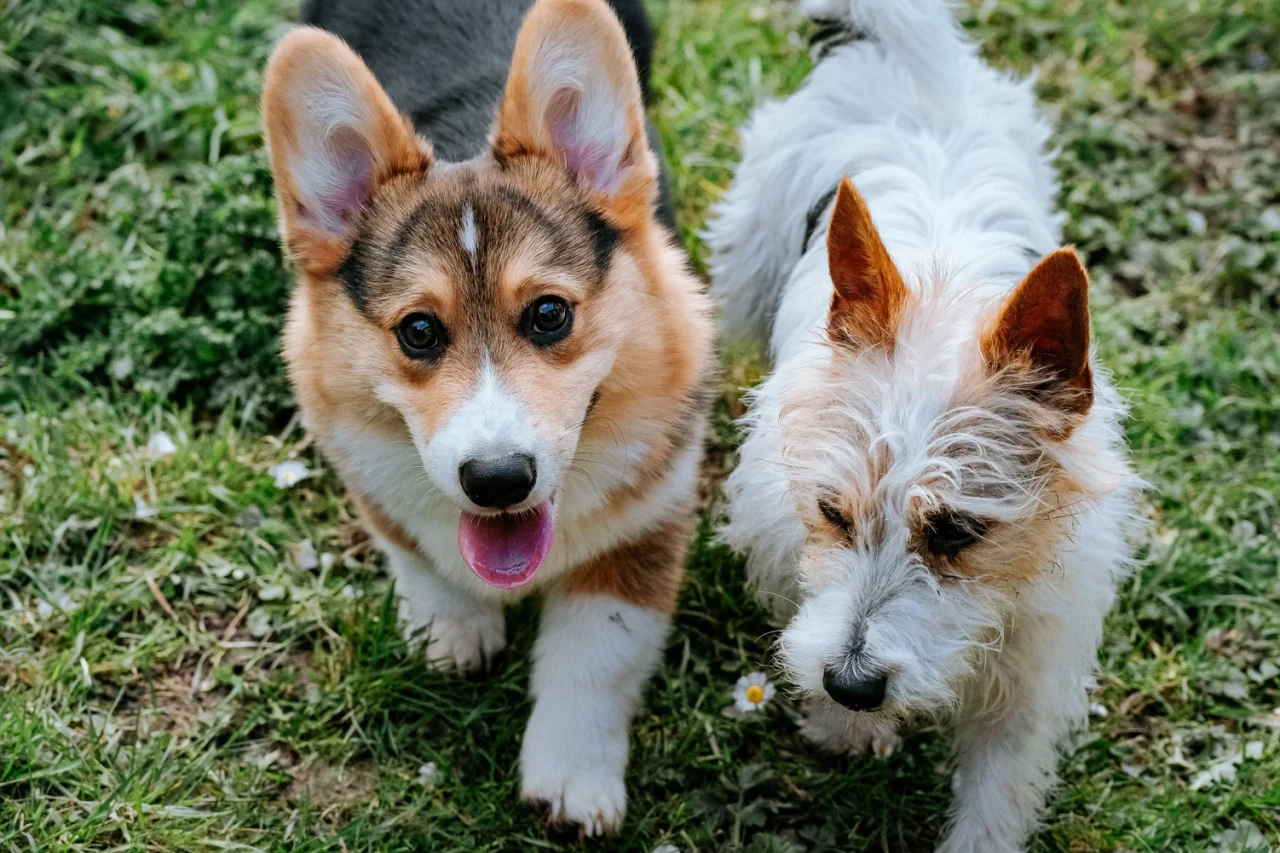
point(752, 692)
point(289, 474)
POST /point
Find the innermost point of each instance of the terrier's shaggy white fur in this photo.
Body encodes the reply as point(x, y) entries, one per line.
point(935, 477)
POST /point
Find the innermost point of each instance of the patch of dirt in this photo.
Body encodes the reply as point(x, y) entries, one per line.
point(333, 788)
point(715, 467)
point(170, 705)
point(354, 540)
point(12, 463)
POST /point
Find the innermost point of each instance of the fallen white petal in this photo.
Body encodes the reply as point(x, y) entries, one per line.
point(1196, 222)
point(140, 508)
point(258, 623)
point(1219, 771)
point(307, 558)
point(162, 445)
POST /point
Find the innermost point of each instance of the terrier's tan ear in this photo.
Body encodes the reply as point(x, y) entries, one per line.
point(334, 137)
point(573, 97)
point(1044, 325)
point(870, 292)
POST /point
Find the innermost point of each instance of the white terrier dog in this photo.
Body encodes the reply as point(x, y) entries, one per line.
point(935, 473)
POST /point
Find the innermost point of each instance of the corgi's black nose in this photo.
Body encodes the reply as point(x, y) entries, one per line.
point(855, 692)
point(498, 482)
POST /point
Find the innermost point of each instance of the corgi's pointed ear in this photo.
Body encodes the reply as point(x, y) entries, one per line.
point(334, 137)
point(1044, 326)
point(573, 97)
point(869, 290)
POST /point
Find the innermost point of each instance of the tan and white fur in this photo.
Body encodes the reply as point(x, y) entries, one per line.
point(934, 485)
point(397, 248)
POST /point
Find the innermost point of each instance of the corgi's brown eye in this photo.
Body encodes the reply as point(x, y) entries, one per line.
point(947, 533)
point(833, 515)
point(421, 336)
point(547, 320)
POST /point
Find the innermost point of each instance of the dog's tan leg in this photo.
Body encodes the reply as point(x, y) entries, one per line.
point(458, 631)
point(601, 638)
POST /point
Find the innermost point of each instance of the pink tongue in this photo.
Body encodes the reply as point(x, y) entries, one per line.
point(506, 550)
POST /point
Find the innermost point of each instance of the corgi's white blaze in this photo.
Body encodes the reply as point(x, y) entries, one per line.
point(468, 236)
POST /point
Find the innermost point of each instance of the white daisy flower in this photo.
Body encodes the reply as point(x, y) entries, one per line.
point(752, 692)
point(162, 445)
point(289, 473)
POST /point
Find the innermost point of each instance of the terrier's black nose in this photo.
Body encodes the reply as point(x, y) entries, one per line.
point(854, 692)
point(500, 482)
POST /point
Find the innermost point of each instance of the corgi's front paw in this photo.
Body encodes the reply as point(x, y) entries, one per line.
point(573, 776)
point(583, 801)
point(460, 642)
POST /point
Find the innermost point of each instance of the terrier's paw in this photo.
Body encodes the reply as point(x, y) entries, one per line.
point(578, 802)
point(463, 642)
point(885, 743)
point(972, 837)
point(842, 734)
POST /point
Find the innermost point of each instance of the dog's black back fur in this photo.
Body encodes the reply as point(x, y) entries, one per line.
point(444, 63)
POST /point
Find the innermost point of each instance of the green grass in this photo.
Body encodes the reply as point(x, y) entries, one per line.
point(171, 678)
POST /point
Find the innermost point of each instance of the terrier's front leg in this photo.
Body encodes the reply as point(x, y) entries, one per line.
point(1007, 755)
point(1005, 770)
point(600, 639)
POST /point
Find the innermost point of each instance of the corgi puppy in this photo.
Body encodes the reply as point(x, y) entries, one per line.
point(935, 472)
point(505, 356)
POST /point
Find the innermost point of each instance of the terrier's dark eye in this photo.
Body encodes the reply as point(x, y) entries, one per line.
point(547, 320)
point(422, 336)
point(947, 533)
point(833, 515)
